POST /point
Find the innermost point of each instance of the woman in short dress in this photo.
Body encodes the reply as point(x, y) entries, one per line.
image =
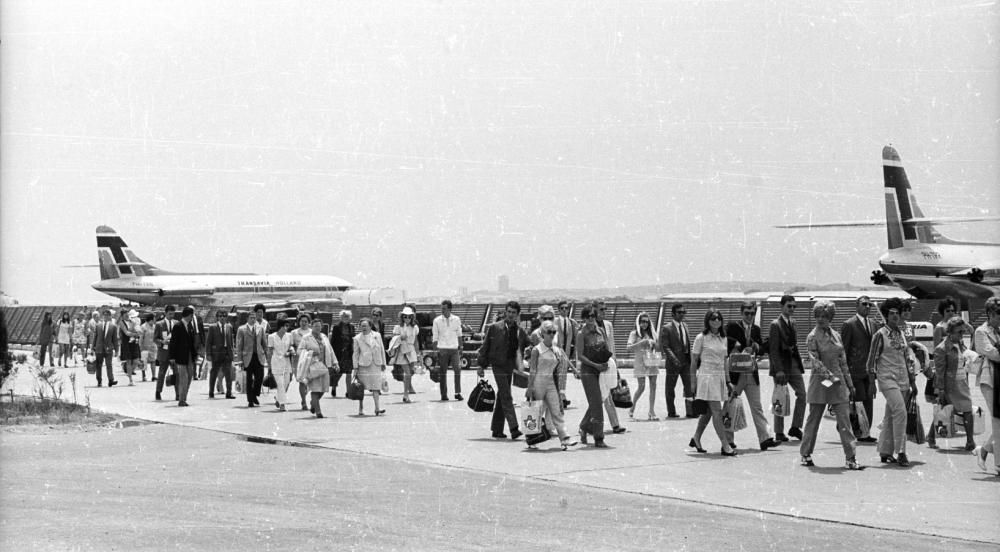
point(80, 335)
point(129, 335)
point(318, 344)
point(369, 363)
point(279, 345)
point(951, 379)
point(708, 360)
point(147, 347)
point(407, 352)
point(64, 338)
point(829, 365)
point(641, 341)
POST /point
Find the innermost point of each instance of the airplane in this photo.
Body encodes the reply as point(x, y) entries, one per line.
point(921, 260)
point(125, 276)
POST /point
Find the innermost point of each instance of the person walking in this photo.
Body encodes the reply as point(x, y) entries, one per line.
point(676, 348)
point(79, 338)
point(786, 367)
point(708, 361)
point(889, 366)
point(304, 320)
point(951, 379)
point(251, 343)
point(183, 354)
point(641, 342)
point(592, 355)
point(502, 349)
point(342, 340)
point(321, 356)
point(369, 364)
point(219, 347)
point(609, 337)
point(104, 343)
point(147, 346)
point(279, 347)
point(161, 336)
point(744, 336)
point(987, 341)
point(856, 336)
point(547, 366)
point(446, 338)
point(131, 332)
point(830, 384)
point(64, 335)
point(406, 354)
point(45, 340)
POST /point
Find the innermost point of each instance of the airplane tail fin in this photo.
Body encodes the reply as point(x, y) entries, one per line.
point(117, 260)
point(904, 220)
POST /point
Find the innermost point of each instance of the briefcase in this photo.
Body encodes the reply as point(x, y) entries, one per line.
point(741, 363)
point(356, 391)
point(483, 398)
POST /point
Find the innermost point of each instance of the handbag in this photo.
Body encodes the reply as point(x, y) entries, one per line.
point(483, 398)
point(531, 417)
point(355, 391)
point(397, 373)
point(741, 363)
point(653, 359)
point(599, 354)
point(780, 401)
point(170, 380)
point(914, 426)
point(621, 395)
point(859, 420)
point(540, 437)
point(91, 366)
point(699, 407)
point(520, 381)
point(270, 382)
point(317, 370)
point(435, 374)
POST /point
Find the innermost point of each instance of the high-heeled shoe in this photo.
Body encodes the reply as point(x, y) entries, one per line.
point(730, 453)
point(567, 442)
point(888, 459)
point(696, 445)
point(653, 417)
point(583, 437)
point(631, 412)
point(379, 412)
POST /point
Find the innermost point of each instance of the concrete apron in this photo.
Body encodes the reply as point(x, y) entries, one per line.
point(943, 493)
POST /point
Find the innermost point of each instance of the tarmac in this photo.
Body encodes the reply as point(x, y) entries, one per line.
point(942, 494)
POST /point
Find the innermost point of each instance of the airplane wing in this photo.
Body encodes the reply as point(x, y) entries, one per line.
point(847, 224)
point(916, 222)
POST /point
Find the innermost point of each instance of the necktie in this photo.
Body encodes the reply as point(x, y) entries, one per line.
point(868, 328)
point(684, 335)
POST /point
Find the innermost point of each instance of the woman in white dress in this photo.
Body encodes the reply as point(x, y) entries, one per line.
point(641, 341)
point(279, 346)
point(369, 363)
point(708, 361)
point(64, 337)
point(407, 352)
point(80, 336)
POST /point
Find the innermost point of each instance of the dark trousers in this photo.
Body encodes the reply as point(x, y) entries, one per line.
point(593, 419)
point(183, 374)
point(798, 387)
point(504, 409)
point(335, 379)
point(47, 348)
point(255, 378)
point(226, 366)
point(163, 358)
point(446, 358)
point(863, 391)
point(105, 359)
point(672, 375)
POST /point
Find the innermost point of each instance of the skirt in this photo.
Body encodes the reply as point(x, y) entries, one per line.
point(958, 393)
point(640, 370)
point(370, 376)
point(712, 387)
point(401, 358)
point(130, 351)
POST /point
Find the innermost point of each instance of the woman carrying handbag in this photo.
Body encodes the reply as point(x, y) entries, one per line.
point(643, 343)
point(369, 363)
point(314, 370)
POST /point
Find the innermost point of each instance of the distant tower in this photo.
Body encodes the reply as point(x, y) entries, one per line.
point(503, 283)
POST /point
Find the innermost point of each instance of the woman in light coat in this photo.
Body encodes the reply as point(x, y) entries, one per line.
point(369, 363)
point(406, 353)
point(641, 341)
point(548, 365)
point(320, 361)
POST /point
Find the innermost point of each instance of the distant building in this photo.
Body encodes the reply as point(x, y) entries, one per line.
point(463, 291)
point(503, 283)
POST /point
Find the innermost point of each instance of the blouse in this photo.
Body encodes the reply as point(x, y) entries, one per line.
point(639, 346)
point(889, 359)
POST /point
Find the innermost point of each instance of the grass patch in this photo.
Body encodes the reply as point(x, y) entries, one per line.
point(34, 411)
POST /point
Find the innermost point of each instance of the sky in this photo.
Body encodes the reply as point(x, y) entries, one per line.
point(435, 145)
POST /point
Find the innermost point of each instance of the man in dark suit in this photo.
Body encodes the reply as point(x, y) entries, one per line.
point(161, 336)
point(183, 354)
point(251, 342)
point(199, 343)
point(501, 349)
point(104, 343)
point(675, 343)
point(744, 337)
point(786, 366)
point(219, 346)
point(856, 335)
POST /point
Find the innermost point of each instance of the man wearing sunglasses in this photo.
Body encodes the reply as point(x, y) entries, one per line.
point(744, 337)
point(856, 335)
point(786, 366)
point(675, 342)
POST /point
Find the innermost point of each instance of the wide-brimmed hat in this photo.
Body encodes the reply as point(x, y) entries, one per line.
point(407, 311)
point(133, 313)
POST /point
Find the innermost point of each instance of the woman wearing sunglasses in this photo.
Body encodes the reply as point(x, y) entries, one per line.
point(641, 342)
point(548, 365)
point(708, 361)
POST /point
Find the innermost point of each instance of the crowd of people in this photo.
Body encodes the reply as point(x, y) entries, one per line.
point(717, 366)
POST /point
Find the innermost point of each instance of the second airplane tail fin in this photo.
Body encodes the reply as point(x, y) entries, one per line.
point(117, 260)
point(904, 220)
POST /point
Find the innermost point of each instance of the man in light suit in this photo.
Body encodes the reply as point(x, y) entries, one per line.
point(675, 344)
point(856, 335)
point(104, 343)
point(786, 366)
point(744, 336)
point(219, 346)
point(251, 342)
point(161, 336)
point(183, 354)
point(502, 348)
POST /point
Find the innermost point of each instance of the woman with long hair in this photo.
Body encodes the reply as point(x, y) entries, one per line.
point(80, 336)
point(592, 355)
point(407, 351)
point(64, 337)
point(708, 361)
point(642, 341)
point(45, 340)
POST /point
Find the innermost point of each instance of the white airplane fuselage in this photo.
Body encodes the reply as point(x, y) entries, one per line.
point(222, 289)
point(941, 269)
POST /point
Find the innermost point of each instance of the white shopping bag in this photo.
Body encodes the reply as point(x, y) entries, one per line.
point(608, 379)
point(531, 417)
